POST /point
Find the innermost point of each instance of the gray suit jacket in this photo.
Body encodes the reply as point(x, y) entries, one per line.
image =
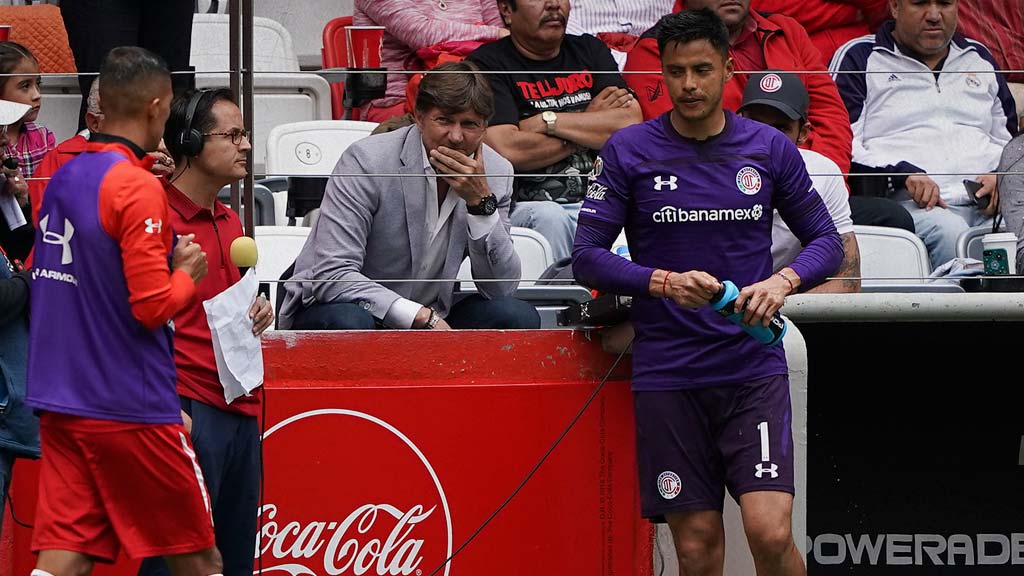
point(374, 229)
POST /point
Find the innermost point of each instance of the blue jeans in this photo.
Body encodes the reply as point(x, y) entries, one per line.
point(6, 467)
point(555, 222)
point(228, 449)
point(939, 228)
point(473, 312)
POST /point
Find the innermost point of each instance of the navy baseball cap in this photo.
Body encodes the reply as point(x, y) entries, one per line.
point(783, 91)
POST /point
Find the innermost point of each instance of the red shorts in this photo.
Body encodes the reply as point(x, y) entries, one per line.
point(104, 485)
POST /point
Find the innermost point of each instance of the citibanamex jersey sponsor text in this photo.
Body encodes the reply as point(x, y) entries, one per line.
point(671, 214)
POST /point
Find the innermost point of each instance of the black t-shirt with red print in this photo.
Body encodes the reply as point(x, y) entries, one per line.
point(566, 83)
point(533, 86)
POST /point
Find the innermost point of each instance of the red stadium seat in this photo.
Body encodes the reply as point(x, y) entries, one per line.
point(335, 56)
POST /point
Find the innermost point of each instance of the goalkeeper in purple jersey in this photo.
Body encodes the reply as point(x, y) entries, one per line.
point(695, 190)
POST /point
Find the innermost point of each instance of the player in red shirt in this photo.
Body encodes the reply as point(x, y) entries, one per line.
point(119, 470)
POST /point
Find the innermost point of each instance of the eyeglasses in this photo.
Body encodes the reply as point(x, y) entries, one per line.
point(235, 135)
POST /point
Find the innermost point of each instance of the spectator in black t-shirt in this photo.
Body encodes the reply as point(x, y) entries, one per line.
point(552, 112)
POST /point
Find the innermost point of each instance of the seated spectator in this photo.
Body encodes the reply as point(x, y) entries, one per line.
point(783, 106)
point(372, 229)
point(414, 25)
point(999, 25)
point(756, 42)
point(945, 125)
point(27, 141)
point(549, 122)
point(19, 426)
point(618, 24)
point(1011, 192)
point(830, 24)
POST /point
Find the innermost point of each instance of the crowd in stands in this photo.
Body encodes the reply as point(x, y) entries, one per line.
point(905, 95)
point(549, 121)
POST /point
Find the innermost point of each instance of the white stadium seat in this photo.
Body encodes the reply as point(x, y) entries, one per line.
point(891, 256)
point(534, 255)
point(969, 245)
point(59, 109)
point(278, 247)
point(281, 93)
point(309, 148)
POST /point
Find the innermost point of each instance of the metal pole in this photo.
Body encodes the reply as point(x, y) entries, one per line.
point(248, 111)
point(235, 71)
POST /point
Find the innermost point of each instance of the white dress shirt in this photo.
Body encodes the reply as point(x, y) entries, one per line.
point(438, 229)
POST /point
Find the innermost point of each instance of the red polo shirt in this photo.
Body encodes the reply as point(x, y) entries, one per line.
point(747, 53)
point(193, 350)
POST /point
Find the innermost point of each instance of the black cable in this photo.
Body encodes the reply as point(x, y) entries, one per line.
point(10, 505)
point(536, 467)
point(188, 164)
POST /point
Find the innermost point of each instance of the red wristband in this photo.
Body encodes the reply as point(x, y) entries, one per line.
point(792, 287)
point(664, 285)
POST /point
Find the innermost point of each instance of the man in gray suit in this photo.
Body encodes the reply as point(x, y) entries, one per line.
point(416, 227)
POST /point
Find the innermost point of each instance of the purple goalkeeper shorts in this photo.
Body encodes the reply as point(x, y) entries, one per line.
point(693, 444)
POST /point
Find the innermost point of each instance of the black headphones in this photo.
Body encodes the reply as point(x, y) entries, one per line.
point(190, 139)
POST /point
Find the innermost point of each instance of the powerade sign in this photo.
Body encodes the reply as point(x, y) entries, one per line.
point(916, 550)
point(915, 450)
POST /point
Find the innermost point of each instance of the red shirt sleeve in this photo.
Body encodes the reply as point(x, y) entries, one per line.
point(814, 16)
point(46, 169)
point(133, 210)
point(831, 135)
point(650, 89)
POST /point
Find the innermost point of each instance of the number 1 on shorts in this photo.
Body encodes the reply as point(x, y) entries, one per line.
point(766, 455)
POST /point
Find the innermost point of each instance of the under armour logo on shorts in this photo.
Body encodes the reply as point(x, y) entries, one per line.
point(771, 469)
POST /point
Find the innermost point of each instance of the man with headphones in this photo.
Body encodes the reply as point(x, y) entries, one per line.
point(208, 142)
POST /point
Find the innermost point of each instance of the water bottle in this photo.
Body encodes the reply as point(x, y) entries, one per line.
point(622, 250)
point(724, 303)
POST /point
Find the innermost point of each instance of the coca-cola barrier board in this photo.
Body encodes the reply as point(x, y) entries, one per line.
point(385, 451)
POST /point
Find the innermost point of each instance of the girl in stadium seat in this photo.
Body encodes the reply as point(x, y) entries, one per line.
point(27, 141)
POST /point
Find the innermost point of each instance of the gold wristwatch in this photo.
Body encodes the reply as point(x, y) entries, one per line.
point(549, 118)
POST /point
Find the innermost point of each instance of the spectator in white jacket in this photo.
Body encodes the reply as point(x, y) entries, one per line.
point(930, 105)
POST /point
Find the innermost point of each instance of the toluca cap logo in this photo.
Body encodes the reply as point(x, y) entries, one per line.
point(388, 516)
point(771, 83)
point(748, 180)
point(669, 485)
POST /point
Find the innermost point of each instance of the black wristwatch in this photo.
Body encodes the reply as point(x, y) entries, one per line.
point(487, 206)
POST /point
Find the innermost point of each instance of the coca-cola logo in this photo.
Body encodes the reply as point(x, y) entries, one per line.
point(348, 493)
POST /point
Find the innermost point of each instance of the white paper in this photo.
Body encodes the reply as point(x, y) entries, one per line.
point(12, 212)
point(239, 354)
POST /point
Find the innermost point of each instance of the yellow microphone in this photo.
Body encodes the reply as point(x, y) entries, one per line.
point(244, 253)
